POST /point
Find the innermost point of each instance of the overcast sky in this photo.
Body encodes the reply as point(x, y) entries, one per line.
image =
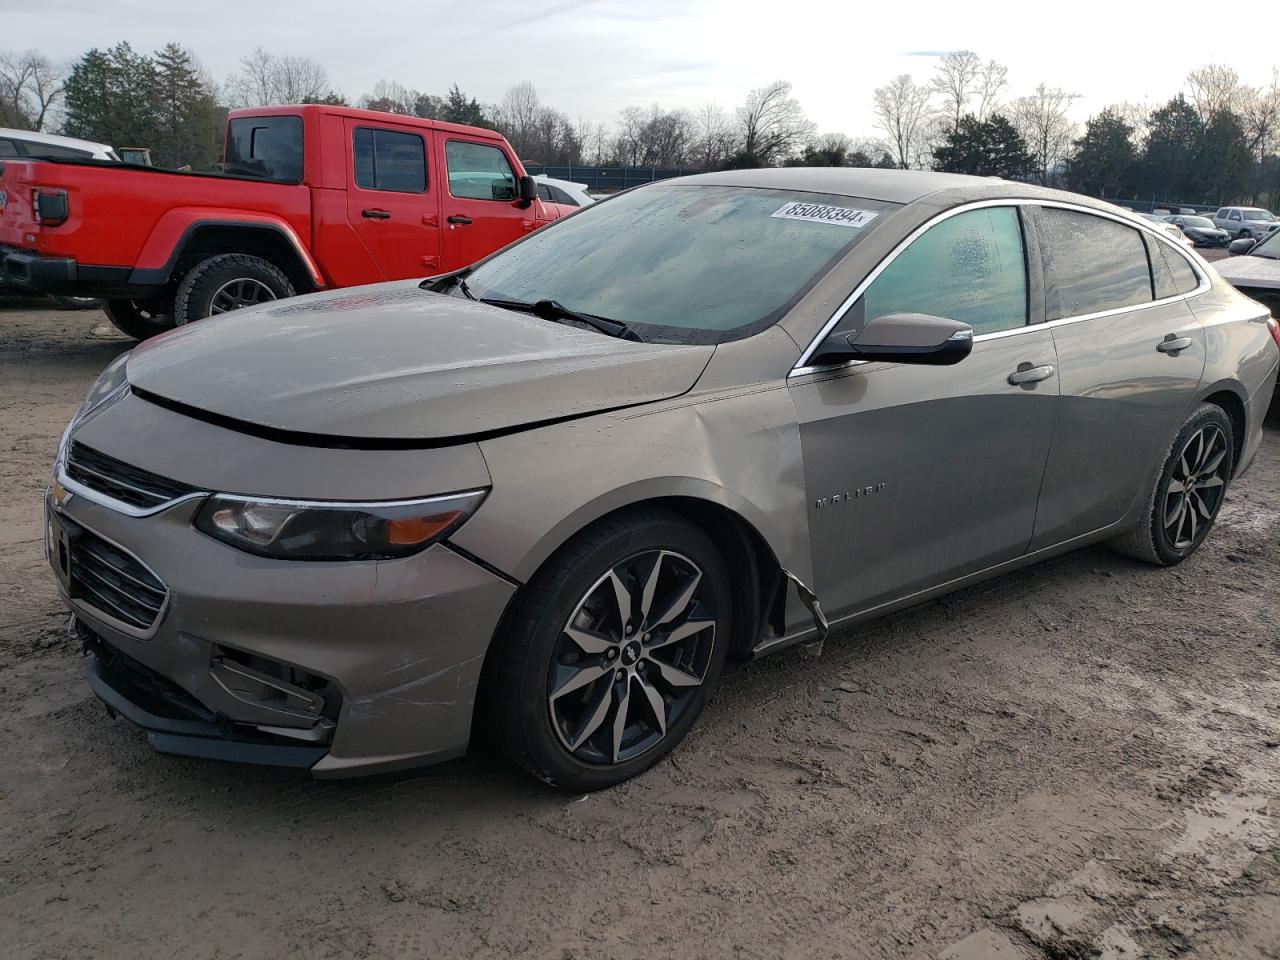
point(590, 58)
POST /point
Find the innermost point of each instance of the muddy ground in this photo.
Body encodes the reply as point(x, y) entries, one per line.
point(1079, 760)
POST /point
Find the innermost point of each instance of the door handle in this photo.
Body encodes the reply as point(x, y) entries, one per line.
point(375, 214)
point(459, 219)
point(1173, 343)
point(1028, 374)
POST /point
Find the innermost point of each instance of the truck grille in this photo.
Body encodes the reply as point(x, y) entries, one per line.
point(119, 480)
point(115, 582)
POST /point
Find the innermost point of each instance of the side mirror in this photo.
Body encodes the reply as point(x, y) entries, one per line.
point(1241, 246)
point(528, 190)
point(901, 338)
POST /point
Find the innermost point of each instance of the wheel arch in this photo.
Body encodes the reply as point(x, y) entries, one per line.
point(262, 236)
point(1232, 399)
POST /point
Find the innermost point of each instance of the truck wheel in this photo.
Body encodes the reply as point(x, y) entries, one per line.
point(228, 282)
point(75, 303)
point(139, 319)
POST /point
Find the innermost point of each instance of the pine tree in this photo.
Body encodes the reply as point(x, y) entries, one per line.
point(458, 109)
point(985, 148)
point(1105, 159)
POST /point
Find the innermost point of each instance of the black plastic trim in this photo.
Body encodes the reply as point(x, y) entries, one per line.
point(157, 276)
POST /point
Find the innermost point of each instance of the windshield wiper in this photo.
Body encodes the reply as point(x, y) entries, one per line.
point(556, 312)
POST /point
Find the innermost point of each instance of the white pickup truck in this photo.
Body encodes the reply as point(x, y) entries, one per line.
point(1246, 223)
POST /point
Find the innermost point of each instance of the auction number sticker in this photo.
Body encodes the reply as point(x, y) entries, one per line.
point(822, 213)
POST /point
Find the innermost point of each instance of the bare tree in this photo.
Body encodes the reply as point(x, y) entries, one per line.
point(772, 123)
point(30, 88)
point(991, 82)
point(956, 82)
point(1213, 89)
point(266, 78)
point(1042, 120)
point(715, 137)
point(903, 112)
point(1137, 116)
point(1259, 110)
point(517, 116)
point(390, 97)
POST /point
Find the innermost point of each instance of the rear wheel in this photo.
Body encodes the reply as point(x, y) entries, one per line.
point(1188, 493)
point(1244, 235)
point(229, 282)
point(140, 319)
point(612, 652)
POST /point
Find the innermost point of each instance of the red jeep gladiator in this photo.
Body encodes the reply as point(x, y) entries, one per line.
point(311, 198)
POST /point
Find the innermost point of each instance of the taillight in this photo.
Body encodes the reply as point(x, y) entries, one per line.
point(1274, 326)
point(50, 207)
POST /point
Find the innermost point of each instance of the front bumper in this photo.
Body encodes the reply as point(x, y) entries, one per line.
point(1210, 240)
point(340, 668)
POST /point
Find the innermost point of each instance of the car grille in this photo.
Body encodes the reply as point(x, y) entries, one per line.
point(115, 582)
point(120, 481)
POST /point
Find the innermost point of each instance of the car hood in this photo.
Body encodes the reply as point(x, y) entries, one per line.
point(396, 363)
point(1247, 271)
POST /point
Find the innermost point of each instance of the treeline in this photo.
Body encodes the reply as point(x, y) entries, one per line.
point(1217, 141)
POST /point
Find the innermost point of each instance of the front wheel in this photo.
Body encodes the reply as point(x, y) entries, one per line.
point(1244, 235)
point(1188, 492)
point(229, 282)
point(612, 652)
point(139, 319)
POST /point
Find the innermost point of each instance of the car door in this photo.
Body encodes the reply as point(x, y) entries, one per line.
point(482, 209)
point(1130, 357)
point(918, 475)
point(391, 202)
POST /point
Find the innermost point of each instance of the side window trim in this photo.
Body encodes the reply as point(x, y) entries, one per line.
point(802, 367)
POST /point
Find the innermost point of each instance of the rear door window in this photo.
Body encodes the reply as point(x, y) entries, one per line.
point(479, 172)
point(266, 148)
point(389, 160)
point(8, 148)
point(970, 267)
point(1092, 264)
point(54, 151)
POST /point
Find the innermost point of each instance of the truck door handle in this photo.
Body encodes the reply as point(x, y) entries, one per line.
point(459, 219)
point(1027, 374)
point(376, 214)
point(1173, 343)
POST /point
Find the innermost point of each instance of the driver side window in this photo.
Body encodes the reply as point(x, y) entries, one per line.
point(970, 267)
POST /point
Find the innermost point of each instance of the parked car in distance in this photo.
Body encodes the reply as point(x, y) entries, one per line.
point(1246, 223)
point(551, 492)
point(1200, 230)
point(46, 146)
point(1254, 269)
point(565, 193)
point(1173, 231)
point(312, 198)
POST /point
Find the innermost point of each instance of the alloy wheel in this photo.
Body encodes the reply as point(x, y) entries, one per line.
point(632, 657)
point(1195, 488)
point(241, 292)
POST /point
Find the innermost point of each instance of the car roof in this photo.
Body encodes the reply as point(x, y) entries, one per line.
point(52, 139)
point(892, 186)
point(355, 113)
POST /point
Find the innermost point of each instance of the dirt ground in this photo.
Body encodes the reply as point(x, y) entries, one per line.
point(1079, 760)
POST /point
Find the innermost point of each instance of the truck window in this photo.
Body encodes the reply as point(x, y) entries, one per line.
point(54, 151)
point(387, 160)
point(7, 149)
point(268, 148)
point(479, 172)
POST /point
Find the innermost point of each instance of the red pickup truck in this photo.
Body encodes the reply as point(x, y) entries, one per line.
point(311, 198)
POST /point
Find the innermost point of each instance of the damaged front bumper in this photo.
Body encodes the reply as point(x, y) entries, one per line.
point(340, 668)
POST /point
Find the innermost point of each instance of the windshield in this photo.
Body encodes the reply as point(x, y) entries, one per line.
point(683, 263)
point(1269, 247)
point(1257, 214)
point(1197, 222)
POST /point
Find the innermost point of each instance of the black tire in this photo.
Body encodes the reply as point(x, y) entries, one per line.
point(1163, 541)
point(517, 696)
point(75, 303)
point(228, 282)
point(139, 319)
point(1244, 235)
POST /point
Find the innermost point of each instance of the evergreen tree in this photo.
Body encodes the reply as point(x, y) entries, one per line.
point(458, 109)
point(985, 148)
point(1105, 160)
point(190, 121)
point(1168, 168)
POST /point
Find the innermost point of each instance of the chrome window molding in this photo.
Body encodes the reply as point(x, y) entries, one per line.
point(352, 504)
point(803, 367)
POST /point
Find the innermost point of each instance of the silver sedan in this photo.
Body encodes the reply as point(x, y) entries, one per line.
point(550, 494)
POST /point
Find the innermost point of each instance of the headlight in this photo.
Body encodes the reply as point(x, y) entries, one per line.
point(110, 383)
point(325, 530)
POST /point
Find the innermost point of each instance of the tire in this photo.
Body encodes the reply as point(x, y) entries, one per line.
point(75, 303)
point(139, 319)
point(1163, 541)
point(572, 739)
point(228, 282)
point(1244, 235)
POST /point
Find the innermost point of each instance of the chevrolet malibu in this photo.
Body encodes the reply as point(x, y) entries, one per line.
point(549, 495)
